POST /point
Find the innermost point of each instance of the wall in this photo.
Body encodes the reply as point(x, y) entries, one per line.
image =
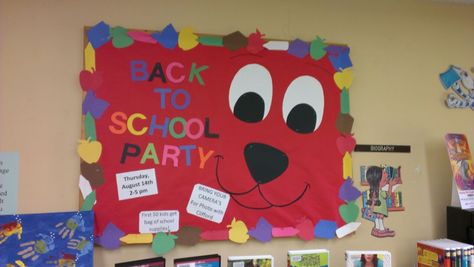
point(398, 49)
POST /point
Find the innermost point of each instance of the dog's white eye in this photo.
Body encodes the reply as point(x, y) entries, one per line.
point(303, 104)
point(250, 93)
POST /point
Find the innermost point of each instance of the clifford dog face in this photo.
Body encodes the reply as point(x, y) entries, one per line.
point(277, 119)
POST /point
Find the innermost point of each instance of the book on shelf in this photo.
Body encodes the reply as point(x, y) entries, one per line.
point(308, 258)
point(360, 258)
point(394, 200)
point(152, 262)
point(444, 252)
point(250, 261)
point(213, 260)
point(392, 173)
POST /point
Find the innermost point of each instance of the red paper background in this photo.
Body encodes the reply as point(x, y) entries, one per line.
point(313, 158)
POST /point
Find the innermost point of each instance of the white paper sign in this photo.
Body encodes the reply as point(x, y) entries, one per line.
point(136, 184)
point(208, 203)
point(462, 198)
point(155, 221)
point(9, 168)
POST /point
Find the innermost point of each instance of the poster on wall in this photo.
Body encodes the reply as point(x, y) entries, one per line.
point(47, 239)
point(382, 196)
point(459, 85)
point(219, 137)
point(462, 193)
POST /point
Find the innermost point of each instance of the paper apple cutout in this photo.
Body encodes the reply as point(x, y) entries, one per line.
point(90, 80)
point(89, 151)
point(317, 48)
point(345, 144)
point(93, 173)
point(349, 212)
point(238, 231)
point(120, 38)
point(305, 230)
point(255, 42)
point(162, 243)
point(187, 40)
point(343, 78)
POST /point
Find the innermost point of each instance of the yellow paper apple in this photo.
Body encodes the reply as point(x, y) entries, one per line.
point(343, 78)
point(89, 151)
point(187, 40)
point(238, 231)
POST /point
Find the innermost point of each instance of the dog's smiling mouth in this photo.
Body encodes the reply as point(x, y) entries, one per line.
point(268, 204)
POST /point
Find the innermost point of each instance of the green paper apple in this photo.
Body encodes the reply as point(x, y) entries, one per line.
point(317, 48)
point(349, 212)
point(162, 243)
point(120, 39)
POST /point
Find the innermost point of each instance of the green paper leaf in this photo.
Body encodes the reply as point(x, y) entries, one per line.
point(89, 128)
point(344, 101)
point(211, 40)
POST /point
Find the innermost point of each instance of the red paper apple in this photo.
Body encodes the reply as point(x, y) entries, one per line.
point(90, 80)
point(345, 143)
point(305, 228)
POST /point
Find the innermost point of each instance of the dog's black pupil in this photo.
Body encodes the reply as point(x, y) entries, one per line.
point(302, 118)
point(249, 107)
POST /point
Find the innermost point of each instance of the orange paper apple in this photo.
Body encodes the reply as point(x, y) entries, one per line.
point(89, 151)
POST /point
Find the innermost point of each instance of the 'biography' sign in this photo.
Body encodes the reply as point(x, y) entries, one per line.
point(383, 148)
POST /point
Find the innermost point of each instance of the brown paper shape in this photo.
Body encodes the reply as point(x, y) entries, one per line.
point(235, 41)
point(344, 123)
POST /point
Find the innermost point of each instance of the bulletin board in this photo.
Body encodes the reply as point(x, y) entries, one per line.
point(233, 136)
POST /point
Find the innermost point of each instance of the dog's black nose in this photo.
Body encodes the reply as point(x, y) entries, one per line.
point(265, 162)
